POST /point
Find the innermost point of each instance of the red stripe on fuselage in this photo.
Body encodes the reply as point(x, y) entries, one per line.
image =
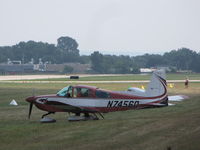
point(48, 108)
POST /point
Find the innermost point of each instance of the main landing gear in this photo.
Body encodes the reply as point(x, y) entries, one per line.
point(85, 117)
point(76, 117)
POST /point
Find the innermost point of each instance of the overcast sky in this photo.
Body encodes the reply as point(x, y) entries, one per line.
point(128, 27)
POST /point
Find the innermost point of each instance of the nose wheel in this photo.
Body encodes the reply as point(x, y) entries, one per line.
point(47, 114)
point(47, 119)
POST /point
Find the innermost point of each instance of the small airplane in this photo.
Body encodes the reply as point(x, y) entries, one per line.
point(90, 100)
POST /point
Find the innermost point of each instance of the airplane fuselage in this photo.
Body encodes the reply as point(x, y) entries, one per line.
point(65, 104)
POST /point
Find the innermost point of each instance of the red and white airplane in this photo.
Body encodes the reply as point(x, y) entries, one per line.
point(90, 100)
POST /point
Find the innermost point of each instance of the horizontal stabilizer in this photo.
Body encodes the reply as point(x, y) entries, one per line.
point(177, 98)
point(170, 104)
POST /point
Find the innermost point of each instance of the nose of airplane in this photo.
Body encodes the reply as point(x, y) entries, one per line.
point(30, 99)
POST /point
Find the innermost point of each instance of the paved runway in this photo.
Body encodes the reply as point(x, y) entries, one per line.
point(80, 82)
point(31, 77)
point(20, 78)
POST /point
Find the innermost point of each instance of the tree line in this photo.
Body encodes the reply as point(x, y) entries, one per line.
point(181, 59)
point(66, 50)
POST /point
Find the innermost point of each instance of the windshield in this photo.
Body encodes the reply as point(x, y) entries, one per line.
point(66, 91)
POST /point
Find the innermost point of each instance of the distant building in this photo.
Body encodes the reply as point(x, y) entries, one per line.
point(39, 67)
point(147, 70)
point(77, 67)
point(168, 69)
point(15, 68)
point(9, 62)
point(184, 71)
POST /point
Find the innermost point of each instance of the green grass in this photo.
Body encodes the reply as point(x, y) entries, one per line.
point(148, 129)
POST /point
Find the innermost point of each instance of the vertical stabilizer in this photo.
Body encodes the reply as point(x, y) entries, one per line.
point(157, 84)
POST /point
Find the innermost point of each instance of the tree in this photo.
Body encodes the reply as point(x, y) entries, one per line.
point(97, 62)
point(112, 64)
point(68, 69)
point(149, 60)
point(68, 49)
point(31, 49)
point(5, 53)
point(183, 58)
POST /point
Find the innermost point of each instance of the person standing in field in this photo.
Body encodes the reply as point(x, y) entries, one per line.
point(186, 83)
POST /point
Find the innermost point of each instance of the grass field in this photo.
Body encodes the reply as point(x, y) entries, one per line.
point(177, 126)
point(170, 76)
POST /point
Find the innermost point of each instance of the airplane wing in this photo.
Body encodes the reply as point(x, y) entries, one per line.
point(177, 98)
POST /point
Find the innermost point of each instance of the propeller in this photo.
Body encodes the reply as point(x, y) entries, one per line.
point(31, 104)
point(30, 110)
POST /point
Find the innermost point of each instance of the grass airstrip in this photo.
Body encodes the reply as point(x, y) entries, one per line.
point(176, 127)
